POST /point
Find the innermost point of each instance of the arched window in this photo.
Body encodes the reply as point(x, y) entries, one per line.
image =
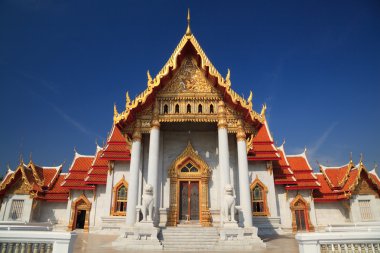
point(211, 109)
point(177, 108)
point(188, 108)
point(120, 198)
point(259, 198)
point(199, 108)
point(189, 168)
point(166, 109)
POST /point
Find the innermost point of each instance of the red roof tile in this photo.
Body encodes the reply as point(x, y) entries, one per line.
point(303, 172)
point(281, 169)
point(338, 183)
point(117, 148)
point(78, 170)
point(99, 169)
point(262, 147)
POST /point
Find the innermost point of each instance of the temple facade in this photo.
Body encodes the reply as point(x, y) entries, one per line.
point(189, 151)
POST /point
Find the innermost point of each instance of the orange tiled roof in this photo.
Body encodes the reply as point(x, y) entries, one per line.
point(302, 172)
point(338, 183)
point(41, 179)
point(262, 147)
point(282, 172)
point(117, 148)
point(99, 168)
point(78, 170)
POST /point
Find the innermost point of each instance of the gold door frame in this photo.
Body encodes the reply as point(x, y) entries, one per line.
point(81, 203)
point(202, 176)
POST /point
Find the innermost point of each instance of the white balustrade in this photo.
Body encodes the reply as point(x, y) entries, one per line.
point(333, 242)
point(37, 241)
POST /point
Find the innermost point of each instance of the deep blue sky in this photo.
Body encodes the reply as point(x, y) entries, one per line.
point(63, 64)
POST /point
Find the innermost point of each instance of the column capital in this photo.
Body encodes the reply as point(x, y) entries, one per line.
point(222, 121)
point(155, 123)
point(136, 136)
point(240, 134)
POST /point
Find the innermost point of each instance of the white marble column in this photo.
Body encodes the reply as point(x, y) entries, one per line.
point(133, 182)
point(154, 144)
point(224, 154)
point(245, 198)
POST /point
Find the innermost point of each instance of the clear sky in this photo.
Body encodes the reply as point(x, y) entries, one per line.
point(63, 64)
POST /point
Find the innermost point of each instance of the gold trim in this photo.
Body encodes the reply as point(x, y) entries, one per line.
point(257, 181)
point(306, 208)
point(222, 121)
point(202, 176)
point(136, 136)
point(81, 203)
point(240, 135)
point(206, 65)
point(114, 212)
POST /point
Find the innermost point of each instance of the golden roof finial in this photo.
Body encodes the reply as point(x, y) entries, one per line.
point(249, 100)
point(127, 100)
point(361, 159)
point(351, 157)
point(115, 113)
point(263, 110)
point(188, 30)
point(149, 77)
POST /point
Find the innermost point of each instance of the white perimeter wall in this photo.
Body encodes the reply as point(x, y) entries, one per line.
point(331, 213)
point(53, 211)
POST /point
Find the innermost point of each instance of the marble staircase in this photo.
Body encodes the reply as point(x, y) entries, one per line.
point(196, 238)
point(189, 238)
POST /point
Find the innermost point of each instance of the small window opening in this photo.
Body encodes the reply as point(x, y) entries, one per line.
point(188, 108)
point(177, 108)
point(166, 109)
point(211, 109)
point(199, 108)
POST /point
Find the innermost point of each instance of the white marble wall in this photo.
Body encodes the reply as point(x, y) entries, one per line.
point(284, 201)
point(259, 169)
point(53, 211)
point(355, 215)
point(331, 213)
point(7, 203)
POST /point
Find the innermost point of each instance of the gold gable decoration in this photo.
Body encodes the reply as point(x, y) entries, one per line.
point(188, 79)
point(205, 64)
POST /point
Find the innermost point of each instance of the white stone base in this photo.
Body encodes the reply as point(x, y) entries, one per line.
point(143, 236)
point(237, 238)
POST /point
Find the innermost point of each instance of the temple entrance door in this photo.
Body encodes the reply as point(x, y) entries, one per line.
point(301, 220)
point(189, 201)
point(80, 219)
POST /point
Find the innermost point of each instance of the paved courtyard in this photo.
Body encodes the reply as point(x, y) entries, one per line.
point(99, 243)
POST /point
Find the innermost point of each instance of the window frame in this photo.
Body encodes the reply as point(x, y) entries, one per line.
point(264, 191)
point(115, 211)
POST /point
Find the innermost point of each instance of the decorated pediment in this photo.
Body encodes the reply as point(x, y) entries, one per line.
point(365, 188)
point(20, 187)
point(188, 79)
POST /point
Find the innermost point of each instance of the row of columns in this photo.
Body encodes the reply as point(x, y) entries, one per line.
point(224, 164)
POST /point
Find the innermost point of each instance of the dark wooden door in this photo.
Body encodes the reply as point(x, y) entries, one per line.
point(189, 200)
point(301, 220)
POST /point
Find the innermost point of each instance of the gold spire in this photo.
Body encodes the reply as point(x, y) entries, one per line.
point(188, 30)
point(127, 100)
point(249, 100)
point(115, 113)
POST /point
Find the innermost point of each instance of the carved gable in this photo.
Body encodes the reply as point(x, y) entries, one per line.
point(188, 79)
point(19, 187)
point(365, 188)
